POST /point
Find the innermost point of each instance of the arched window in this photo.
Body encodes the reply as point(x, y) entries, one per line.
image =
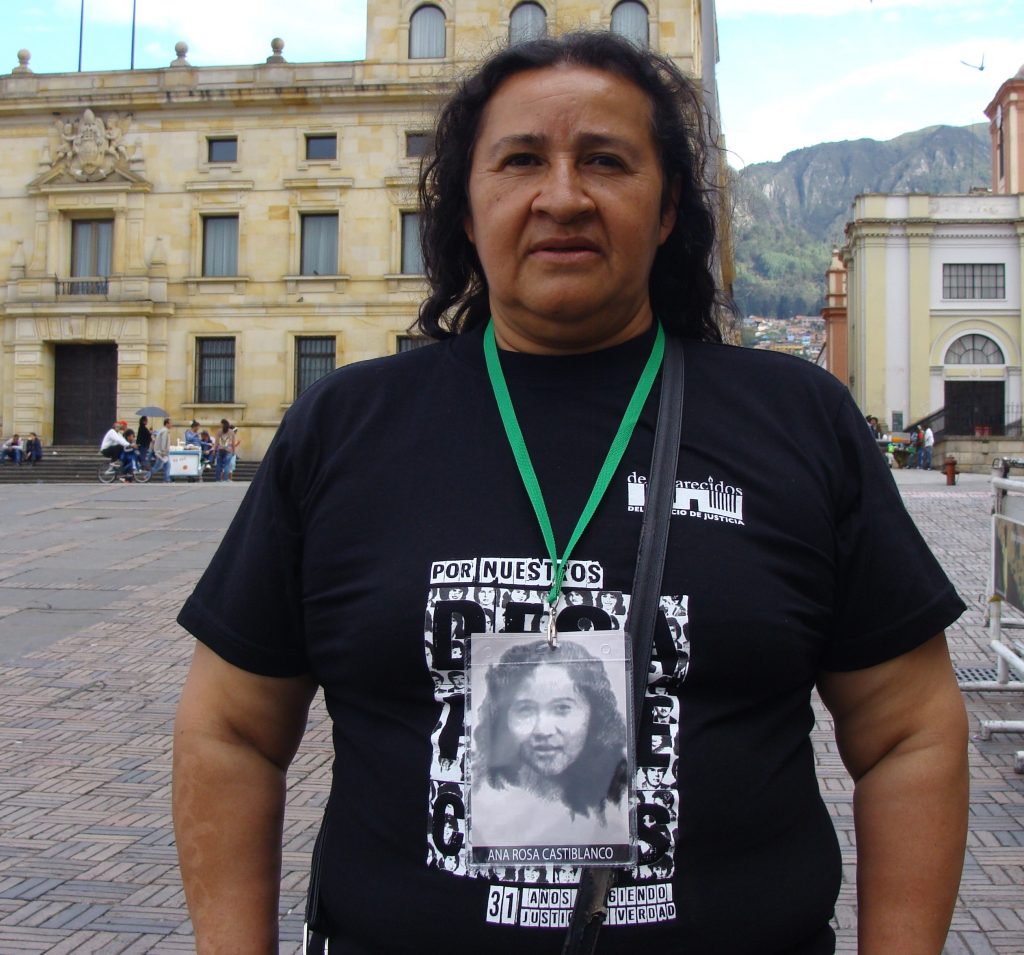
point(974, 350)
point(629, 19)
point(426, 34)
point(528, 22)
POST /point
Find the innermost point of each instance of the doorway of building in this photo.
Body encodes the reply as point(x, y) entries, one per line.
point(84, 392)
point(973, 405)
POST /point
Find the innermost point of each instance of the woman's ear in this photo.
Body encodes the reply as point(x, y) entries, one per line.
point(669, 209)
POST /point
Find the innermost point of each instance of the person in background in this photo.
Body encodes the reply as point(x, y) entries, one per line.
point(224, 442)
point(129, 457)
point(33, 448)
point(927, 446)
point(206, 445)
point(144, 441)
point(13, 449)
point(114, 442)
point(236, 442)
point(161, 451)
point(913, 448)
point(192, 434)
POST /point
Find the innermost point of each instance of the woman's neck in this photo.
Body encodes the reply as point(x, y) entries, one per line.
point(547, 787)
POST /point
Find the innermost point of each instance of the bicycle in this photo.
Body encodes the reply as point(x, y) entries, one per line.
point(112, 470)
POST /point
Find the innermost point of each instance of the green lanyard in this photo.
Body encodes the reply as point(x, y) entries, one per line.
point(604, 477)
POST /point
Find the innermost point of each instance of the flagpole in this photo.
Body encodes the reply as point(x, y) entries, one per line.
point(132, 66)
point(81, 27)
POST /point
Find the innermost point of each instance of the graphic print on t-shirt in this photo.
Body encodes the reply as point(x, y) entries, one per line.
point(506, 595)
point(709, 500)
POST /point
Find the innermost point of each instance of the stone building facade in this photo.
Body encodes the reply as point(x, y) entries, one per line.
point(212, 239)
point(934, 292)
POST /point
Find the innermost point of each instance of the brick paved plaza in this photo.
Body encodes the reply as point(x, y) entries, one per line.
point(91, 662)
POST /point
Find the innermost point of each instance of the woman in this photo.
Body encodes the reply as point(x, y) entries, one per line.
point(236, 443)
point(33, 449)
point(144, 440)
point(224, 443)
point(550, 764)
point(611, 603)
point(564, 206)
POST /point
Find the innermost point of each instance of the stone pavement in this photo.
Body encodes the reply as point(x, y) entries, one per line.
point(91, 662)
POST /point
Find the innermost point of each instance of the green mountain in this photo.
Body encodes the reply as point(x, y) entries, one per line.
point(788, 215)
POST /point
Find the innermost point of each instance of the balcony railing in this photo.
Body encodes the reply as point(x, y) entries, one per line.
point(82, 286)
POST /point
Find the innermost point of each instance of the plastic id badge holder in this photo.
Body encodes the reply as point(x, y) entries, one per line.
point(549, 728)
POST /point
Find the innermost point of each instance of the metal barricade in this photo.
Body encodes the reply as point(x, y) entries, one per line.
point(1006, 586)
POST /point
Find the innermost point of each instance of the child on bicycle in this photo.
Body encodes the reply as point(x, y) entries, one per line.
point(129, 457)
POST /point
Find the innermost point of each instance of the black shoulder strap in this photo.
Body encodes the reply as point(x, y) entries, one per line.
point(591, 906)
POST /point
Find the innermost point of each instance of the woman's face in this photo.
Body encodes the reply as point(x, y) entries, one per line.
point(548, 717)
point(566, 210)
point(518, 596)
point(608, 602)
point(575, 598)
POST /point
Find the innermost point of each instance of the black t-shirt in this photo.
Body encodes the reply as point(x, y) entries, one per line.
point(388, 522)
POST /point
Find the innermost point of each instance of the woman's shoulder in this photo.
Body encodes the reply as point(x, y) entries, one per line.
point(769, 377)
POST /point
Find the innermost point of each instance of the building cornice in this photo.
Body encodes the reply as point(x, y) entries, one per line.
point(905, 228)
point(294, 86)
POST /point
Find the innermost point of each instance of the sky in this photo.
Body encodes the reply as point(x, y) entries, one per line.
point(791, 73)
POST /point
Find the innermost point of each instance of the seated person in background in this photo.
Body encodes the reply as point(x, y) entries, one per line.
point(129, 456)
point(192, 434)
point(33, 448)
point(13, 449)
point(206, 443)
point(113, 442)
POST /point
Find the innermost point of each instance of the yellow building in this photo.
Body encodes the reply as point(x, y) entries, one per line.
point(934, 295)
point(213, 239)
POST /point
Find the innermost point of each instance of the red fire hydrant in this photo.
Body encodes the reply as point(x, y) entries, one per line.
point(950, 468)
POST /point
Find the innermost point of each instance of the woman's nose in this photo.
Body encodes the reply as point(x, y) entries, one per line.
point(563, 195)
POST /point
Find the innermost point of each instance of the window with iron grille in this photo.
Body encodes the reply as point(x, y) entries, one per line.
point(314, 358)
point(215, 371)
point(319, 244)
point(974, 350)
point(322, 146)
point(220, 245)
point(974, 280)
point(409, 342)
point(91, 243)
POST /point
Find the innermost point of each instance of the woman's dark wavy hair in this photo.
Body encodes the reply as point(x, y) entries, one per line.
point(682, 285)
point(598, 774)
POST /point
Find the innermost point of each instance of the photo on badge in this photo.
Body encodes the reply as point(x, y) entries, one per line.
point(550, 753)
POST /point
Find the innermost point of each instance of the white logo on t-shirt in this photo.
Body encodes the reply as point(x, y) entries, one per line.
point(709, 500)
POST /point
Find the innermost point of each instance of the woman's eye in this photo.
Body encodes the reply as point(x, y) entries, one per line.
point(611, 162)
point(521, 159)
